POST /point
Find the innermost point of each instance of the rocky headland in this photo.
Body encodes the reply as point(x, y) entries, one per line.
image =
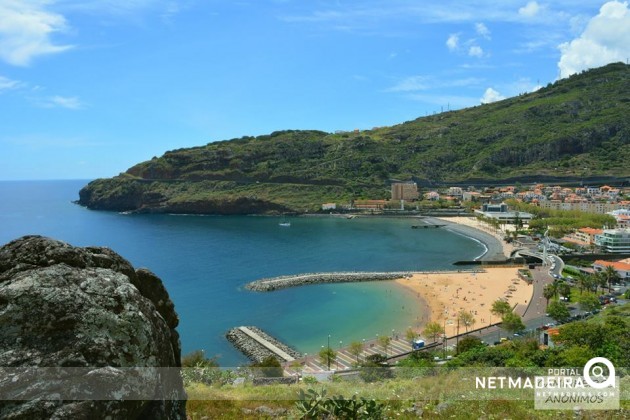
point(90, 315)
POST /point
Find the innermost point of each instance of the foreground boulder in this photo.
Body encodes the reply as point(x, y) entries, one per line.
point(89, 312)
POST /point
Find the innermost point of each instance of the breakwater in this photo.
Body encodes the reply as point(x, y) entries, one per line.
point(282, 282)
point(257, 345)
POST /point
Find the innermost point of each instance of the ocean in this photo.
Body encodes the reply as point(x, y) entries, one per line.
point(204, 262)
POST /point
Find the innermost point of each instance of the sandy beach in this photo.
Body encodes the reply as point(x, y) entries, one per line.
point(448, 293)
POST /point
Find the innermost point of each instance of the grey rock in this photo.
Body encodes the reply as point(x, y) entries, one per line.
point(70, 307)
point(441, 407)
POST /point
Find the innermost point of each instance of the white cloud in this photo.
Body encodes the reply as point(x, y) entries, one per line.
point(26, 29)
point(606, 39)
point(68, 102)
point(410, 84)
point(491, 95)
point(452, 42)
point(8, 84)
point(424, 83)
point(531, 9)
point(482, 30)
point(475, 51)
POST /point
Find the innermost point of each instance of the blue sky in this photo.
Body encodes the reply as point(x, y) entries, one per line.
point(88, 88)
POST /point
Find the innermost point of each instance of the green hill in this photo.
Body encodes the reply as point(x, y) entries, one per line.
point(576, 129)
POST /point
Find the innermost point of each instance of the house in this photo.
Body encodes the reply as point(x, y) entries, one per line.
point(546, 337)
point(329, 206)
point(432, 196)
point(456, 192)
point(587, 235)
point(622, 268)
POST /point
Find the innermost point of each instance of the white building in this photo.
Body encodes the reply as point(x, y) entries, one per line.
point(501, 213)
point(614, 240)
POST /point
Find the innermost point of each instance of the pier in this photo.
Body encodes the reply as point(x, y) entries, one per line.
point(258, 345)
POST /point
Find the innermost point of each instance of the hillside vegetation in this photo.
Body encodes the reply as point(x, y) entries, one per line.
point(575, 129)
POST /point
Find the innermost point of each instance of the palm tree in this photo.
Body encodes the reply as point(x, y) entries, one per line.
point(611, 276)
point(549, 291)
point(584, 282)
point(600, 280)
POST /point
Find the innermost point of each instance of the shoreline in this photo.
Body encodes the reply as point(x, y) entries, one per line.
point(497, 249)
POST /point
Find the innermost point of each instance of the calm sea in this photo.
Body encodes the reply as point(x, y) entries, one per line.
point(205, 261)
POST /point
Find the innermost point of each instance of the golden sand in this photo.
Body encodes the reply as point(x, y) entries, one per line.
point(448, 293)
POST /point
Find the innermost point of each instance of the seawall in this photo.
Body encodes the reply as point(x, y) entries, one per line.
point(276, 283)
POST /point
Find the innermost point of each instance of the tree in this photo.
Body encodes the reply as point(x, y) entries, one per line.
point(549, 291)
point(589, 303)
point(558, 311)
point(198, 359)
point(600, 280)
point(433, 330)
point(564, 290)
point(467, 343)
point(512, 323)
point(500, 308)
point(411, 335)
point(269, 367)
point(355, 349)
point(466, 318)
point(611, 276)
point(584, 282)
point(384, 341)
point(327, 356)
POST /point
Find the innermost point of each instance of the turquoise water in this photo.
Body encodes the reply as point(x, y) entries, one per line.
point(205, 261)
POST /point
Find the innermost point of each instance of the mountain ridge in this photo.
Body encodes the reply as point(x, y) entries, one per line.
point(575, 129)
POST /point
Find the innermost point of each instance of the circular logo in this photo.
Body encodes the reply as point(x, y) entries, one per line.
point(598, 373)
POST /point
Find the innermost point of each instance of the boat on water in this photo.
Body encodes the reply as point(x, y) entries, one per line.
point(285, 224)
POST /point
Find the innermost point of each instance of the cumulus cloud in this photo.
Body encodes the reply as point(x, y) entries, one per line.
point(26, 29)
point(475, 51)
point(491, 95)
point(452, 42)
point(482, 30)
point(531, 9)
point(606, 39)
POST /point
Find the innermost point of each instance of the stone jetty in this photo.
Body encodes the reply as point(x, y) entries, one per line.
point(258, 345)
point(275, 283)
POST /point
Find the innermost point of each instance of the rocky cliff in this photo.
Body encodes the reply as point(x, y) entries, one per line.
point(88, 311)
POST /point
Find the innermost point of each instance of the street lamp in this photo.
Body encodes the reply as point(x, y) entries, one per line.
point(337, 358)
point(328, 357)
